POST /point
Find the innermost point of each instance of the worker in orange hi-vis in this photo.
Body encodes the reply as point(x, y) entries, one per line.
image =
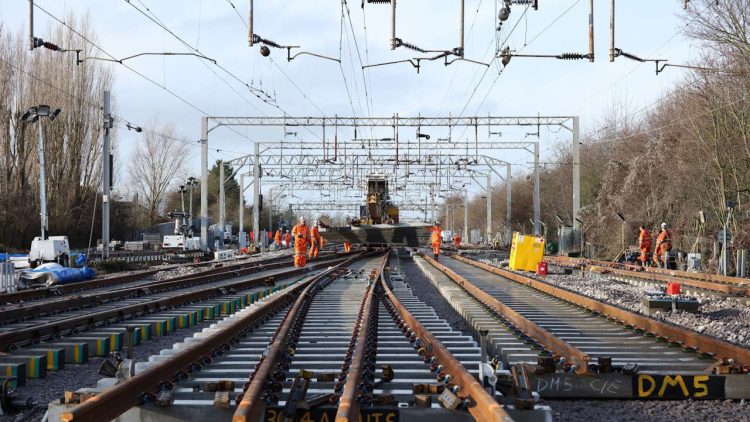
point(316, 240)
point(347, 247)
point(436, 238)
point(287, 239)
point(457, 241)
point(301, 238)
point(663, 246)
point(644, 243)
point(277, 238)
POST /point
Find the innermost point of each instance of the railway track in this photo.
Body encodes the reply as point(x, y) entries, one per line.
point(625, 351)
point(346, 344)
point(693, 283)
point(127, 317)
point(131, 279)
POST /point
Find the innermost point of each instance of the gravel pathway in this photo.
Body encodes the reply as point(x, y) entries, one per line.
point(648, 411)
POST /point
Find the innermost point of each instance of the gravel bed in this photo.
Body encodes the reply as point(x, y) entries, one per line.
point(423, 288)
point(725, 319)
point(187, 270)
point(484, 254)
point(647, 411)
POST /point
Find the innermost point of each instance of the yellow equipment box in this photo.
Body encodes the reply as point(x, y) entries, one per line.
point(526, 252)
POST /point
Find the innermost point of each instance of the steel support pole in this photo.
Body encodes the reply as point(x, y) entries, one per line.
point(612, 31)
point(269, 205)
point(241, 224)
point(190, 220)
point(591, 31)
point(509, 202)
point(461, 40)
point(537, 204)
point(576, 172)
point(42, 183)
point(256, 195)
point(466, 216)
point(393, 24)
point(250, 34)
point(488, 234)
point(31, 24)
point(106, 172)
point(204, 183)
point(222, 203)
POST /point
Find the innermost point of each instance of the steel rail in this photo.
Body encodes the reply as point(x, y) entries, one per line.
point(93, 299)
point(348, 408)
point(11, 339)
point(547, 339)
point(688, 338)
point(115, 401)
point(58, 290)
point(485, 407)
point(677, 275)
point(252, 407)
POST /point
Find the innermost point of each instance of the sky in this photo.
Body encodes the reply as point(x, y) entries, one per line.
point(309, 86)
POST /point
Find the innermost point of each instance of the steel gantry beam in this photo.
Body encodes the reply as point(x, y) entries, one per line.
point(441, 160)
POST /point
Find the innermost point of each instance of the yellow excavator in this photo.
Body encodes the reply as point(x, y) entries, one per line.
point(378, 223)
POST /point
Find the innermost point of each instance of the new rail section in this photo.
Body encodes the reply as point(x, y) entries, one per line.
point(603, 351)
point(348, 343)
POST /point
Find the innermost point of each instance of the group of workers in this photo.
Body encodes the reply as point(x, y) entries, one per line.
point(661, 250)
point(299, 238)
point(436, 239)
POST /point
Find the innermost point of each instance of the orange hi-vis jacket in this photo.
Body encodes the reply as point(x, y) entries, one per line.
point(301, 236)
point(644, 243)
point(664, 241)
point(437, 235)
point(278, 237)
point(457, 240)
point(315, 237)
point(288, 238)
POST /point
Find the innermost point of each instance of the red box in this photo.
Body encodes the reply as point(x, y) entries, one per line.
point(541, 268)
point(673, 288)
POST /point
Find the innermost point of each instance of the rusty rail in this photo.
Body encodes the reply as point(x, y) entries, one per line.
point(348, 408)
point(485, 407)
point(688, 338)
point(118, 399)
point(56, 291)
point(35, 333)
point(719, 283)
point(251, 406)
point(550, 341)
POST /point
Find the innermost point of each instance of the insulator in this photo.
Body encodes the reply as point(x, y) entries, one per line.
point(504, 13)
point(401, 43)
point(265, 51)
point(572, 56)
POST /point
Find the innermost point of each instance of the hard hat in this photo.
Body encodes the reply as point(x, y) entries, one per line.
point(663, 225)
point(437, 223)
point(315, 222)
point(302, 219)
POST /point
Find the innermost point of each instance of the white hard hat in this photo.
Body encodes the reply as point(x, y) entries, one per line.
point(663, 225)
point(315, 222)
point(302, 219)
point(437, 223)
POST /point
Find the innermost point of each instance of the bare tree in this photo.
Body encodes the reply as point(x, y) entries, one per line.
point(73, 149)
point(157, 167)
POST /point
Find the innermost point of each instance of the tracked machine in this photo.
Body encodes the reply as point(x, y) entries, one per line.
point(378, 223)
